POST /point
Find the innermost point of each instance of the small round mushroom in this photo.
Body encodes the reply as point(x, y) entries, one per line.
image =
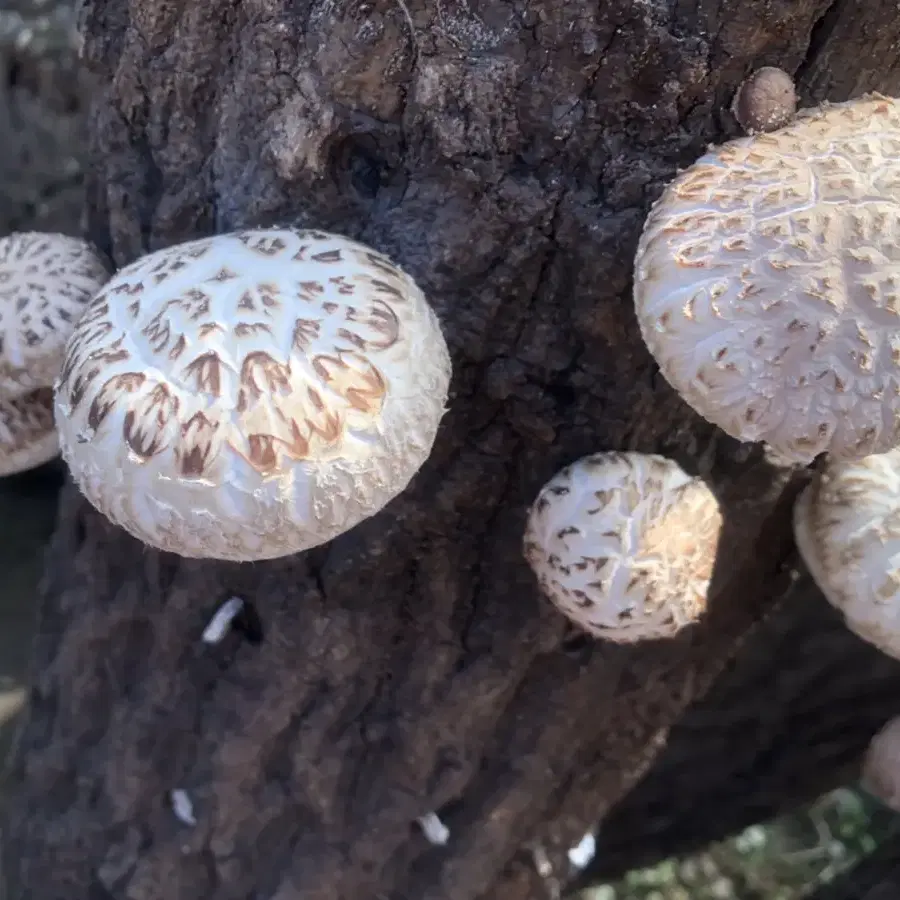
point(46, 281)
point(27, 433)
point(881, 766)
point(624, 545)
point(767, 283)
point(251, 395)
point(847, 529)
point(765, 100)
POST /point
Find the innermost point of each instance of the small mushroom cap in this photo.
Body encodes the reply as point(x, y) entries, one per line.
point(624, 544)
point(27, 433)
point(881, 766)
point(847, 529)
point(767, 283)
point(46, 281)
point(766, 100)
point(251, 395)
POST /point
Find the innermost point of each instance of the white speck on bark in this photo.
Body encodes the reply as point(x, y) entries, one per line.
point(182, 807)
point(541, 861)
point(435, 831)
point(583, 852)
point(220, 623)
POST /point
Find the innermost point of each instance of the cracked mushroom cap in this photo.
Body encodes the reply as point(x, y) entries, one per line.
point(847, 529)
point(881, 766)
point(624, 545)
point(46, 281)
point(767, 283)
point(27, 432)
point(251, 395)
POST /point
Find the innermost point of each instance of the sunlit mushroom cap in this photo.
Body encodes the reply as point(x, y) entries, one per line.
point(767, 283)
point(881, 766)
point(847, 528)
point(27, 433)
point(46, 281)
point(251, 395)
point(624, 544)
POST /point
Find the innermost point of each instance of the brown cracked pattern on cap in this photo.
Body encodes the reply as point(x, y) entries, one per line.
point(624, 544)
point(847, 527)
point(27, 432)
point(767, 283)
point(46, 281)
point(284, 383)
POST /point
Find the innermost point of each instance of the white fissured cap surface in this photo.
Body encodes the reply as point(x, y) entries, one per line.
point(767, 283)
point(847, 528)
point(251, 395)
point(624, 544)
point(46, 281)
point(27, 433)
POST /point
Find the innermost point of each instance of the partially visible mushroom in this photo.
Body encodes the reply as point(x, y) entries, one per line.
point(46, 281)
point(767, 283)
point(251, 395)
point(881, 766)
point(27, 433)
point(624, 544)
point(847, 529)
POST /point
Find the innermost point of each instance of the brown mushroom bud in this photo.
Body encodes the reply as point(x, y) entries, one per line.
point(766, 100)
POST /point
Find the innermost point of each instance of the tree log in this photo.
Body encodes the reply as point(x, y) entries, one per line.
point(505, 154)
point(789, 720)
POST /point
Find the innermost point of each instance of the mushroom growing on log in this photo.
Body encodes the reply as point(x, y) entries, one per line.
point(847, 527)
point(767, 283)
point(505, 160)
point(46, 281)
point(251, 395)
point(625, 544)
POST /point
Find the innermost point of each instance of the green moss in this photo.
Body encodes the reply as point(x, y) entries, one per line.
point(780, 860)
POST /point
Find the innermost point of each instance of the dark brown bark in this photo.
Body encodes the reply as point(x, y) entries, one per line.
point(505, 154)
point(42, 121)
point(787, 721)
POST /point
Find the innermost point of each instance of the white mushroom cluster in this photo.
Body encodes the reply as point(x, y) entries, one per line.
point(624, 544)
point(46, 281)
point(767, 283)
point(251, 395)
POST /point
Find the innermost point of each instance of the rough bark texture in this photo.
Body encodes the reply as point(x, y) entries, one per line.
point(504, 153)
point(787, 721)
point(42, 119)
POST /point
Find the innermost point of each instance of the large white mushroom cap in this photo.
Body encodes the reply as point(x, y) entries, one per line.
point(767, 283)
point(46, 281)
point(624, 544)
point(847, 528)
point(27, 433)
point(251, 395)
